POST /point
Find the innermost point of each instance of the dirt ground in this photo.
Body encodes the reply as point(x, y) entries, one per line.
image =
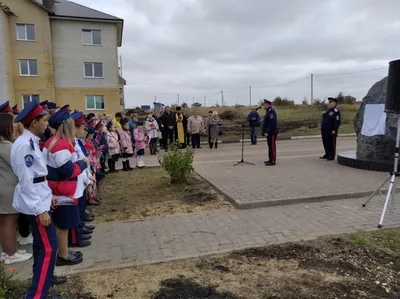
point(144, 193)
point(364, 265)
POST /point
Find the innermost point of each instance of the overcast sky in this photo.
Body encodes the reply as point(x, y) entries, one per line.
point(200, 47)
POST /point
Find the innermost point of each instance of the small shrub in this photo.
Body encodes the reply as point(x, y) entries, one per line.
point(230, 115)
point(278, 101)
point(177, 163)
point(320, 104)
point(10, 288)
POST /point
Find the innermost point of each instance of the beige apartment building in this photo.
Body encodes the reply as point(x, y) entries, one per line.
point(60, 51)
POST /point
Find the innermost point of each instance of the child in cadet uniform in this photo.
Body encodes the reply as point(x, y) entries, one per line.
point(139, 144)
point(126, 144)
point(64, 170)
point(113, 145)
point(33, 197)
point(79, 235)
point(95, 166)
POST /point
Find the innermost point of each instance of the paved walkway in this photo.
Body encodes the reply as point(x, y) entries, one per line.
point(122, 244)
point(118, 244)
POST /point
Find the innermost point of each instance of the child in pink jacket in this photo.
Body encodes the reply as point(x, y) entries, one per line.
point(139, 144)
point(126, 144)
point(113, 145)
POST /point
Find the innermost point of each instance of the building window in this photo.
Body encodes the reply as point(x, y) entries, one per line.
point(91, 37)
point(26, 98)
point(26, 32)
point(28, 67)
point(93, 70)
point(94, 102)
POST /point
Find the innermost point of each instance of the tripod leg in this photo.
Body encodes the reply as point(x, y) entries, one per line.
point(376, 191)
point(392, 205)
point(388, 195)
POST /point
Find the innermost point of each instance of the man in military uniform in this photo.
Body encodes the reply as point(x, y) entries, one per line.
point(270, 130)
point(330, 124)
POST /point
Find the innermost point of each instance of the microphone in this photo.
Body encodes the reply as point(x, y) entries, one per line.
point(258, 108)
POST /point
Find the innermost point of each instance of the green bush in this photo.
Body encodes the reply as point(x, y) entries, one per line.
point(178, 163)
point(278, 101)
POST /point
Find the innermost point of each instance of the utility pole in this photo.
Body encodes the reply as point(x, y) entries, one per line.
point(193, 100)
point(250, 94)
point(205, 101)
point(222, 98)
point(178, 99)
point(312, 88)
point(155, 99)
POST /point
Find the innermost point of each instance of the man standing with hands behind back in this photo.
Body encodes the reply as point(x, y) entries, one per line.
point(330, 124)
point(270, 130)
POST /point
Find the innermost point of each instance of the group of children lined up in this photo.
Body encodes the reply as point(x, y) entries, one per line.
point(59, 161)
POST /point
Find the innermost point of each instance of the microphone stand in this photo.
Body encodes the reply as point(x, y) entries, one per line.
point(242, 161)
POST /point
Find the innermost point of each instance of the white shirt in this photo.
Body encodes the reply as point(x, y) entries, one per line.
point(27, 162)
point(83, 178)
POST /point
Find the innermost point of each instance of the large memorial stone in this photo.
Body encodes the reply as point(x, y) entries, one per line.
point(376, 148)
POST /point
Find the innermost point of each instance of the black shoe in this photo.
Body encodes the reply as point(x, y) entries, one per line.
point(86, 231)
point(128, 164)
point(216, 145)
point(70, 261)
point(91, 227)
point(82, 244)
point(199, 147)
point(76, 253)
point(124, 166)
point(269, 164)
point(88, 218)
point(211, 144)
point(86, 237)
point(330, 159)
point(59, 280)
point(324, 157)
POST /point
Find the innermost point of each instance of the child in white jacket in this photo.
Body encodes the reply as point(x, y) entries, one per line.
point(152, 131)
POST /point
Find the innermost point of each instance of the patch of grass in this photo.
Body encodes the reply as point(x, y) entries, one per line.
point(148, 192)
point(386, 240)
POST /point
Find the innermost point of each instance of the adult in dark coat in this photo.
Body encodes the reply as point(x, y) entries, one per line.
point(168, 122)
point(270, 130)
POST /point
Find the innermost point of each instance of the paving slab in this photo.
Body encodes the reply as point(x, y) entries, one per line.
point(292, 180)
point(125, 244)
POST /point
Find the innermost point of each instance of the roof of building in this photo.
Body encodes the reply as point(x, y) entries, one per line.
point(71, 10)
point(64, 8)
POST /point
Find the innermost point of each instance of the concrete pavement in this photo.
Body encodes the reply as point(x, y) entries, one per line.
point(123, 244)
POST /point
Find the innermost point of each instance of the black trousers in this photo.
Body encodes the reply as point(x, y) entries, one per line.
point(23, 225)
point(168, 135)
point(188, 138)
point(271, 140)
point(153, 145)
point(196, 140)
point(329, 142)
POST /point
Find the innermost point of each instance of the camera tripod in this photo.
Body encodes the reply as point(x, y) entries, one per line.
point(242, 161)
point(391, 194)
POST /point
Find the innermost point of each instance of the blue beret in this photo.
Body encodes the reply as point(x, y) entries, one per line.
point(5, 107)
point(91, 130)
point(66, 107)
point(76, 115)
point(44, 104)
point(58, 118)
point(30, 112)
point(51, 105)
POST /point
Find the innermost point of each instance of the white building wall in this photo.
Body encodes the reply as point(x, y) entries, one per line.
point(69, 54)
point(3, 61)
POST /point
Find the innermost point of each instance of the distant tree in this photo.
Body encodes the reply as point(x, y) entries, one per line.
point(340, 98)
point(239, 106)
point(261, 102)
point(348, 99)
point(278, 101)
point(305, 102)
point(196, 105)
point(184, 105)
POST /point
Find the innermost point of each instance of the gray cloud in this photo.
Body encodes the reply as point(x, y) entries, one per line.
point(200, 47)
